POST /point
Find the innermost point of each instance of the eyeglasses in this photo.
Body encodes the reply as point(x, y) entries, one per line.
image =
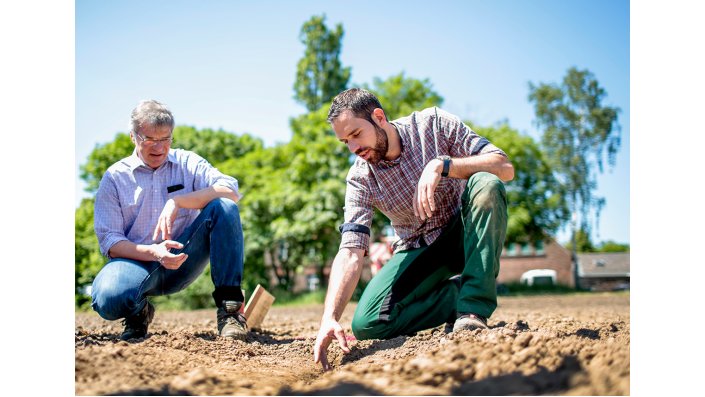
point(153, 142)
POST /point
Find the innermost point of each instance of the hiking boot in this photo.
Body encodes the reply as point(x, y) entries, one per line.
point(136, 326)
point(232, 323)
point(469, 322)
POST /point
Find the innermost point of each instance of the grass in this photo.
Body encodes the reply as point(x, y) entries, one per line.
point(520, 289)
point(284, 298)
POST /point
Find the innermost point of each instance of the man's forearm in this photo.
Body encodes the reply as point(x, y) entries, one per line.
point(128, 249)
point(201, 198)
point(463, 168)
point(344, 275)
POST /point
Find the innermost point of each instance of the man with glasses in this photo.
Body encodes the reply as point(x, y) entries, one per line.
point(161, 215)
point(441, 186)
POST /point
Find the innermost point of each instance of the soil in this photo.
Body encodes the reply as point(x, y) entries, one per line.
point(560, 345)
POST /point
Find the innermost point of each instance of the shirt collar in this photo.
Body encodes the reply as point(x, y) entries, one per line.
point(134, 161)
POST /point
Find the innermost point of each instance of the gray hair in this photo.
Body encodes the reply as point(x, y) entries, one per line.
point(151, 112)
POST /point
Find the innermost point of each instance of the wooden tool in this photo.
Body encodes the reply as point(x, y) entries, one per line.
point(258, 306)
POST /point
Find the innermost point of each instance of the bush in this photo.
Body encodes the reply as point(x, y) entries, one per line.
point(519, 289)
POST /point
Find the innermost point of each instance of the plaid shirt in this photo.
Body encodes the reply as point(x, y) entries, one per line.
point(131, 196)
point(389, 185)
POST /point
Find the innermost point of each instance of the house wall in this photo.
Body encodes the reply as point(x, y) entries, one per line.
point(555, 257)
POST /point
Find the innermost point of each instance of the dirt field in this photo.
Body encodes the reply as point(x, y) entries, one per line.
point(560, 345)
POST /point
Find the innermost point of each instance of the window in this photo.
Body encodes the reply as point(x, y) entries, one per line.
point(538, 246)
point(525, 249)
point(511, 249)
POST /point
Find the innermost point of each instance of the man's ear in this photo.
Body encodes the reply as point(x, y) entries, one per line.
point(379, 117)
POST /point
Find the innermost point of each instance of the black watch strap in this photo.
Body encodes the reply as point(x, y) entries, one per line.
point(446, 165)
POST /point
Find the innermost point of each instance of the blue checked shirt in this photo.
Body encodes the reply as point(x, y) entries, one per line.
point(131, 196)
point(389, 185)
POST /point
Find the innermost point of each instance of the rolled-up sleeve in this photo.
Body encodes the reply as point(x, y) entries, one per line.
point(107, 217)
point(464, 142)
point(205, 175)
point(358, 214)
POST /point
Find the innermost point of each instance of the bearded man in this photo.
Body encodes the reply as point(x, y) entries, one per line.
point(440, 185)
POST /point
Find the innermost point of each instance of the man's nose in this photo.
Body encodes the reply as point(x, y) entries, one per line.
point(353, 147)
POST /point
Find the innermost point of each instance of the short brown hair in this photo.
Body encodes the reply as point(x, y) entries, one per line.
point(360, 101)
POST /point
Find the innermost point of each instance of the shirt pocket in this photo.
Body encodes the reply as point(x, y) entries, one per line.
point(130, 204)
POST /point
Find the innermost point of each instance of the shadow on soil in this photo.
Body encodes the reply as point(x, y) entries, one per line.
point(164, 391)
point(341, 389)
point(542, 382)
point(376, 346)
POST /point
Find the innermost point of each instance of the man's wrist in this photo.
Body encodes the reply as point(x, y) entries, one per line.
point(437, 165)
point(174, 200)
point(445, 161)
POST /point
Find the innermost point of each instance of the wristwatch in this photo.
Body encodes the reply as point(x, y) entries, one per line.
point(446, 165)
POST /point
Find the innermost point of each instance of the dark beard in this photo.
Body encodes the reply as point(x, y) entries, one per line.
point(381, 148)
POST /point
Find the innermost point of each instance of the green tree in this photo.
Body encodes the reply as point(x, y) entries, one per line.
point(102, 157)
point(400, 96)
point(293, 198)
point(319, 73)
point(579, 132)
point(88, 260)
point(582, 242)
point(536, 207)
point(216, 146)
point(612, 246)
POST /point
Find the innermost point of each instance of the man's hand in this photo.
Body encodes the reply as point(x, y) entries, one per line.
point(329, 329)
point(166, 220)
point(424, 204)
point(166, 258)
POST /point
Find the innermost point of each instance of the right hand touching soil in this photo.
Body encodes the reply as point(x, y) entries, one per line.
point(166, 258)
point(329, 329)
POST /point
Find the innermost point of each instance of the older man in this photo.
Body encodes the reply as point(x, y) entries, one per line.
point(161, 215)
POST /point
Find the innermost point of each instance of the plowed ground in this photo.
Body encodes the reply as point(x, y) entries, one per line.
point(561, 345)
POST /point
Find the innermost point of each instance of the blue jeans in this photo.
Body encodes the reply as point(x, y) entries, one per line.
point(122, 286)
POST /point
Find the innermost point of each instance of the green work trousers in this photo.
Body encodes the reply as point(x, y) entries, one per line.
point(412, 292)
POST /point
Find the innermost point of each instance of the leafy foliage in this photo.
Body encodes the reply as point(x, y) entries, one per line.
point(293, 197)
point(102, 157)
point(611, 246)
point(319, 73)
point(88, 260)
point(579, 133)
point(537, 208)
point(294, 192)
point(400, 96)
point(582, 242)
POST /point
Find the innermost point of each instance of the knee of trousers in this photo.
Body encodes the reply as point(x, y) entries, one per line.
point(488, 191)
point(112, 300)
point(365, 329)
point(224, 206)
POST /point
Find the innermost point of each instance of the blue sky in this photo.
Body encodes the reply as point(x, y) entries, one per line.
point(231, 64)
